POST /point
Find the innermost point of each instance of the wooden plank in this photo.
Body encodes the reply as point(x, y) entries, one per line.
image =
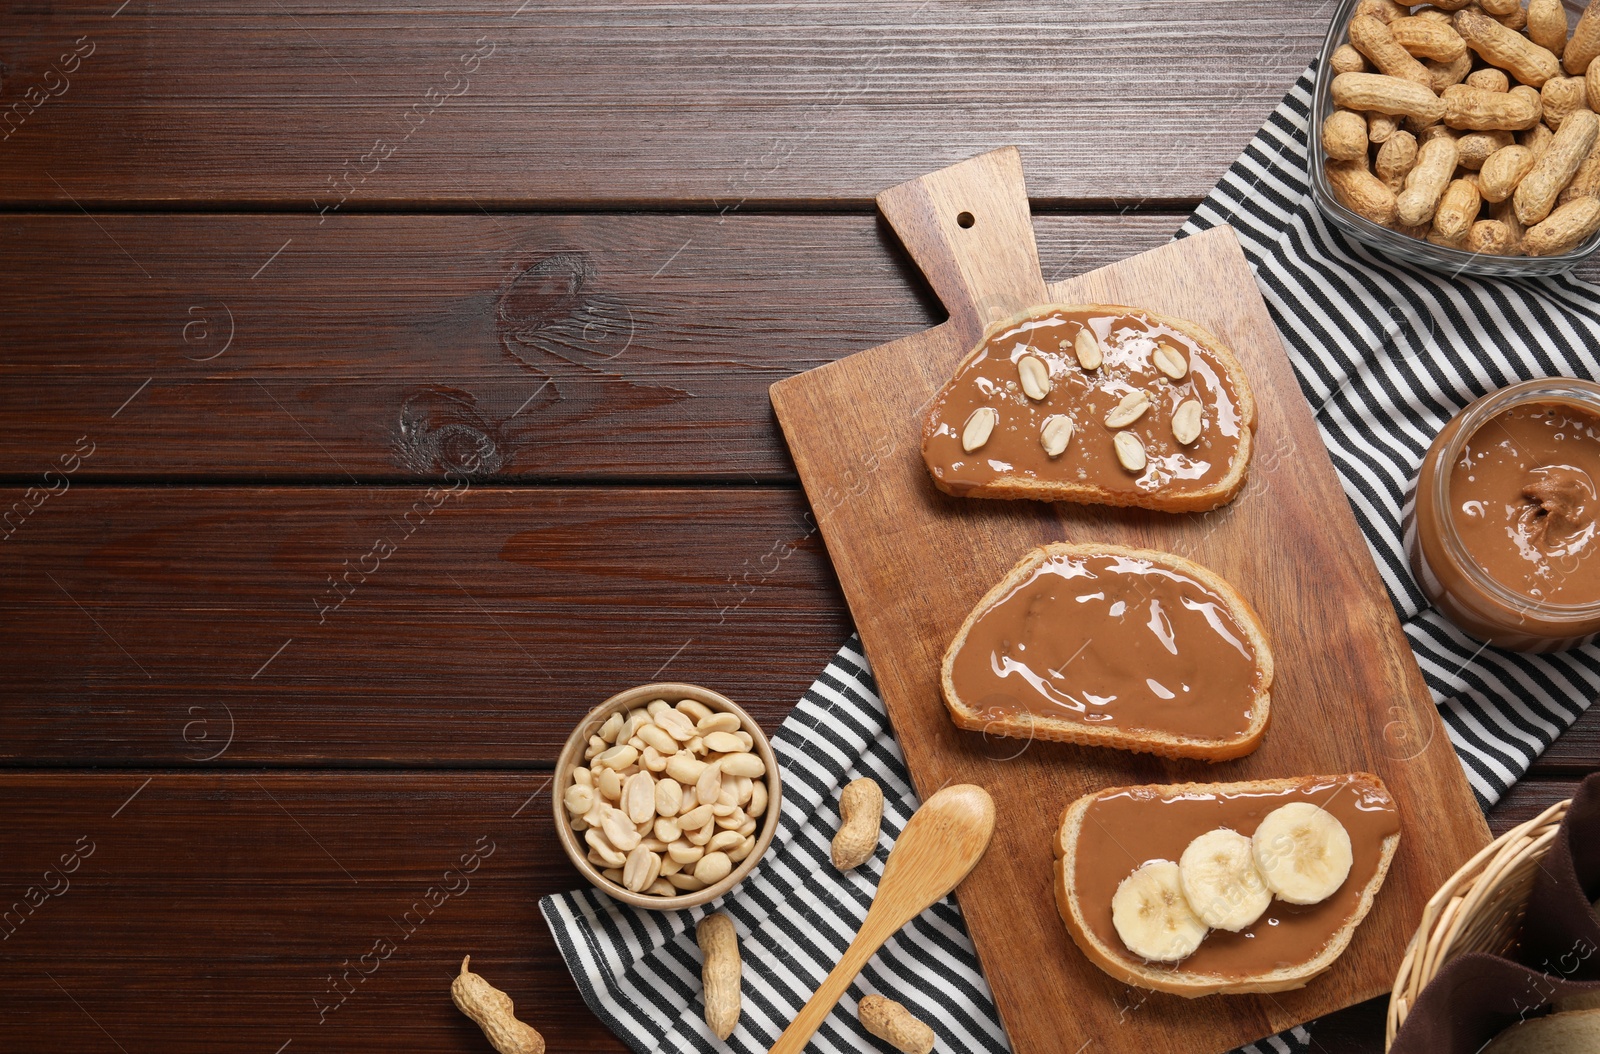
point(1285, 542)
point(723, 106)
point(1576, 752)
point(1528, 799)
point(214, 906)
point(390, 347)
point(176, 625)
point(224, 912)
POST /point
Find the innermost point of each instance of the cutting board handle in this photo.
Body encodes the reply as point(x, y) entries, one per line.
point(970, 230)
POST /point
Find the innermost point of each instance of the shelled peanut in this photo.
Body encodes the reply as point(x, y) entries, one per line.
point(669, 797)
point(1469, 123)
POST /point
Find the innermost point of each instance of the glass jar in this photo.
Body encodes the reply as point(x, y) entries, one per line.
point(1455, 582)
point(1391, 242)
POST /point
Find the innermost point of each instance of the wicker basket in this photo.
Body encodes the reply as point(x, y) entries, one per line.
point(1479, 909)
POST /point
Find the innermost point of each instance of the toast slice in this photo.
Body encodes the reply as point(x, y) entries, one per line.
point(1574, 1030)
point(1358, 799)
point(1178, 477)
point(1190, 739)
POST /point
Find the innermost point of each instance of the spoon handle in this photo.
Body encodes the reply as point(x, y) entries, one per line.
point(826, 997)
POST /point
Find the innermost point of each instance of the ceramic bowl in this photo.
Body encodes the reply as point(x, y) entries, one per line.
point(572, 757)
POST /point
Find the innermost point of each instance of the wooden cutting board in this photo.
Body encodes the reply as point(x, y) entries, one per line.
point(913, 562)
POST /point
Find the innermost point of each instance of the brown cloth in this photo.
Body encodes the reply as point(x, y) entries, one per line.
point(1476, 996)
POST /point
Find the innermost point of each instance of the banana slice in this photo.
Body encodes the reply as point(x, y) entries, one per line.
point(1302, 852)
point(1220, 880)
point(1152, 917)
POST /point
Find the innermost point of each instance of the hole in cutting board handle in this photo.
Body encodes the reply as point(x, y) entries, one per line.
point(965, 220)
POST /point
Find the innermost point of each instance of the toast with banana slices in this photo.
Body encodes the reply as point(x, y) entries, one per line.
point(1205, 888)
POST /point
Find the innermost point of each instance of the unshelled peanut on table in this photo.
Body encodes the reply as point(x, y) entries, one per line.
point(1470, 124)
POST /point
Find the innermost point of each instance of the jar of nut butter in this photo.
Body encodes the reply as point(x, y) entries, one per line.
point(1502, 527)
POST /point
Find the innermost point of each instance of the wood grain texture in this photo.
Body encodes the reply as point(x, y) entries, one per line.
point(971, 240)
point(1285, 542)
point(724, 106)
point(145, 625)
point(1527, 799)
point(208, 916)
point(393, 347)
point(548, 346)
point(1575, 753)
point(232, 912)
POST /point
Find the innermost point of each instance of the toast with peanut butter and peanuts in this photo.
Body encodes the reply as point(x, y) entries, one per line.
point(1098, 404)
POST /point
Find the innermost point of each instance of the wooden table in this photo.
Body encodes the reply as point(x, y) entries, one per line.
point(383, 388)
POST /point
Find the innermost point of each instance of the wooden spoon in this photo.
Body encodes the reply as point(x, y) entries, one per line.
point(941, 843)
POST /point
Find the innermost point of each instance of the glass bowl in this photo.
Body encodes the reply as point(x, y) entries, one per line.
point(1391, 242)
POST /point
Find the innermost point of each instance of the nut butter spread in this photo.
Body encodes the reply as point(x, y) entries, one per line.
point(1123, 830)
point(1524, 504)
point(1137, 353)
point(1112, 640)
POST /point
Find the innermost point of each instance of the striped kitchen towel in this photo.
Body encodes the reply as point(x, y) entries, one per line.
point(1387, 354)
point(639, 971)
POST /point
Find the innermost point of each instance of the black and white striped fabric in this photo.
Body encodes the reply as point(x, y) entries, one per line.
point(1387, 354)
point(639, 971)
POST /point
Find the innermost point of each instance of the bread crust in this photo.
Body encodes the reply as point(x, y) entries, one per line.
point(1017, 488)
point(1163, 744)
point(1174, 980)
